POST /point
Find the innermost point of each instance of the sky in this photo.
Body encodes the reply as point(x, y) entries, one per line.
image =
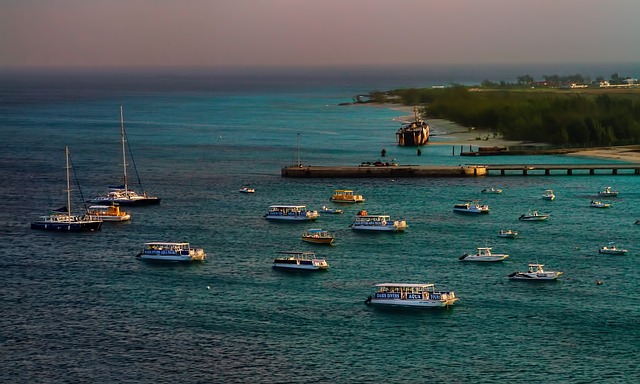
point(276, 33)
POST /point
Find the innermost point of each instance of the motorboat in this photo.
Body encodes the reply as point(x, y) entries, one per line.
point(62, 220)
point(492, 190)
point(171, 252)
point(599, 204)
point(121, 194)
point(108, 213)
point(612, 249)
point(346, 196)
point(378, 223)
point(298, 260)
point(533, 216)
point(291, 213)
point(548, 195)
point(535, 273)
point(411, 295)
point(508, 234)
point(608, 192)
point(471, 207)
point(483, 254)
point(318, 236)
point(247, 189)
point(331, 211)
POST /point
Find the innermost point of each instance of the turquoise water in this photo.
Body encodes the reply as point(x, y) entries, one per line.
point(82, 308)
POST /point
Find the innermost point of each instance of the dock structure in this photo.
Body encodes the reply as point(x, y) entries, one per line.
point(466, 170)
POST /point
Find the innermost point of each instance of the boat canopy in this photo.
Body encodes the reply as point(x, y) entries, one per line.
point(406, 285)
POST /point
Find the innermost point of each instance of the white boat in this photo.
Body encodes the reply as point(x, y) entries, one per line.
point(330, 211)
point(471, 207)
point(318, 236)
point(483, 254)
point(247, 190)
point(121, 194)
point(608, 192)
point(534, 273)
point(378, 223)
point(108, 213)
point(411, 296)
point(533, 216)
point(508, 234)
point(612, 249)
point(346, 196)
point(299, 261)
point(492, 190)
point(599, 204)
point(62, 219)
point(548, 195)
point(172, 252)
point(291, 213)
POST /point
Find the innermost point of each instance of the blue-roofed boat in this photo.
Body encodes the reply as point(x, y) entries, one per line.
point(298, 260)
point(291, 213)
point(410, 295)
point(171, 252)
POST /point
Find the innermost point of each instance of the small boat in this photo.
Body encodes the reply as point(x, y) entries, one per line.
point(492, 190)
point(317, 236)
point(172, 252)
point(108, 213)
point(411, 295)
point(299, 261)
point(508, 234)
point(330, 211)
point(471, 207)
point(346, 196)
point(608, 192)
point(414, 133)
point(247, 190)
point(483, 254)
point(378, 223)
point(533, 216)
point(62, 220)
point(599, 204)
point(612, 249)
point(548, 195)
point(291, 213)
point(121, 194)
point(534, 273)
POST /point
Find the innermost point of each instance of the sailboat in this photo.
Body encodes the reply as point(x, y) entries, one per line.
point(62, 220)
point(121, 194)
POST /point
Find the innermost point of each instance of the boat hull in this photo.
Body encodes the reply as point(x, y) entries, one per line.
point(88, 226)
point(534, 277)
point(318, 241)
point(492, 258)
point(609, 252)
point(413, 137)
point(372, 228)
point(127, 202)
point(412, 303)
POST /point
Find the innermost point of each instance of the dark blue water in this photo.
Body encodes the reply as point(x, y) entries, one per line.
point(82, 308)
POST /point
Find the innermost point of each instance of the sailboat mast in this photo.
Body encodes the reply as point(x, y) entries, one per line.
point(66, 151)
point(124, 157)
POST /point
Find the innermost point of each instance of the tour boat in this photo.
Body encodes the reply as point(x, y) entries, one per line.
point(331, 211)
point(346, 196)
point(173, 252)
point(607, 192)
point(533, 216)
point(599, 204)
point(411, 295)
point(612, 249)
point(414, 133)
point(471, 207)
point(492, 190)
point(535, 272)
point(508, 234)
point(298, 260)
point(247, 190)
point(121, 194)
point(483, 254)
point(548, 195)
point(108, 213)
point(290, 213)
point(62, 219)
point(317, 236)
point(378, 223)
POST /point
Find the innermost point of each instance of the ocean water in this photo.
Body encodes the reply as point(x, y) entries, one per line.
point(82, 308)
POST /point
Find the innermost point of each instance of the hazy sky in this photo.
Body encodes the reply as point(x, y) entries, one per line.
point(123, 33)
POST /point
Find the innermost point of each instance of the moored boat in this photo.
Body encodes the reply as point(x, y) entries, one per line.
point(247, 189)
point(410, 295)
point(612, 249)
point(471, 207)
point(291, 213)
point(548, 195)
point(533, 216)
point(381, 223)
point(535, 272)
point(508, 234)
point(492, 190)
point(414, 133)
point(318, 236)
point(608, 192)
point(483, 254)
point(108, 213)
point(331, 211)
point(297, 260)
point(172, 252)
point(346, 196)
point(599, 204)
